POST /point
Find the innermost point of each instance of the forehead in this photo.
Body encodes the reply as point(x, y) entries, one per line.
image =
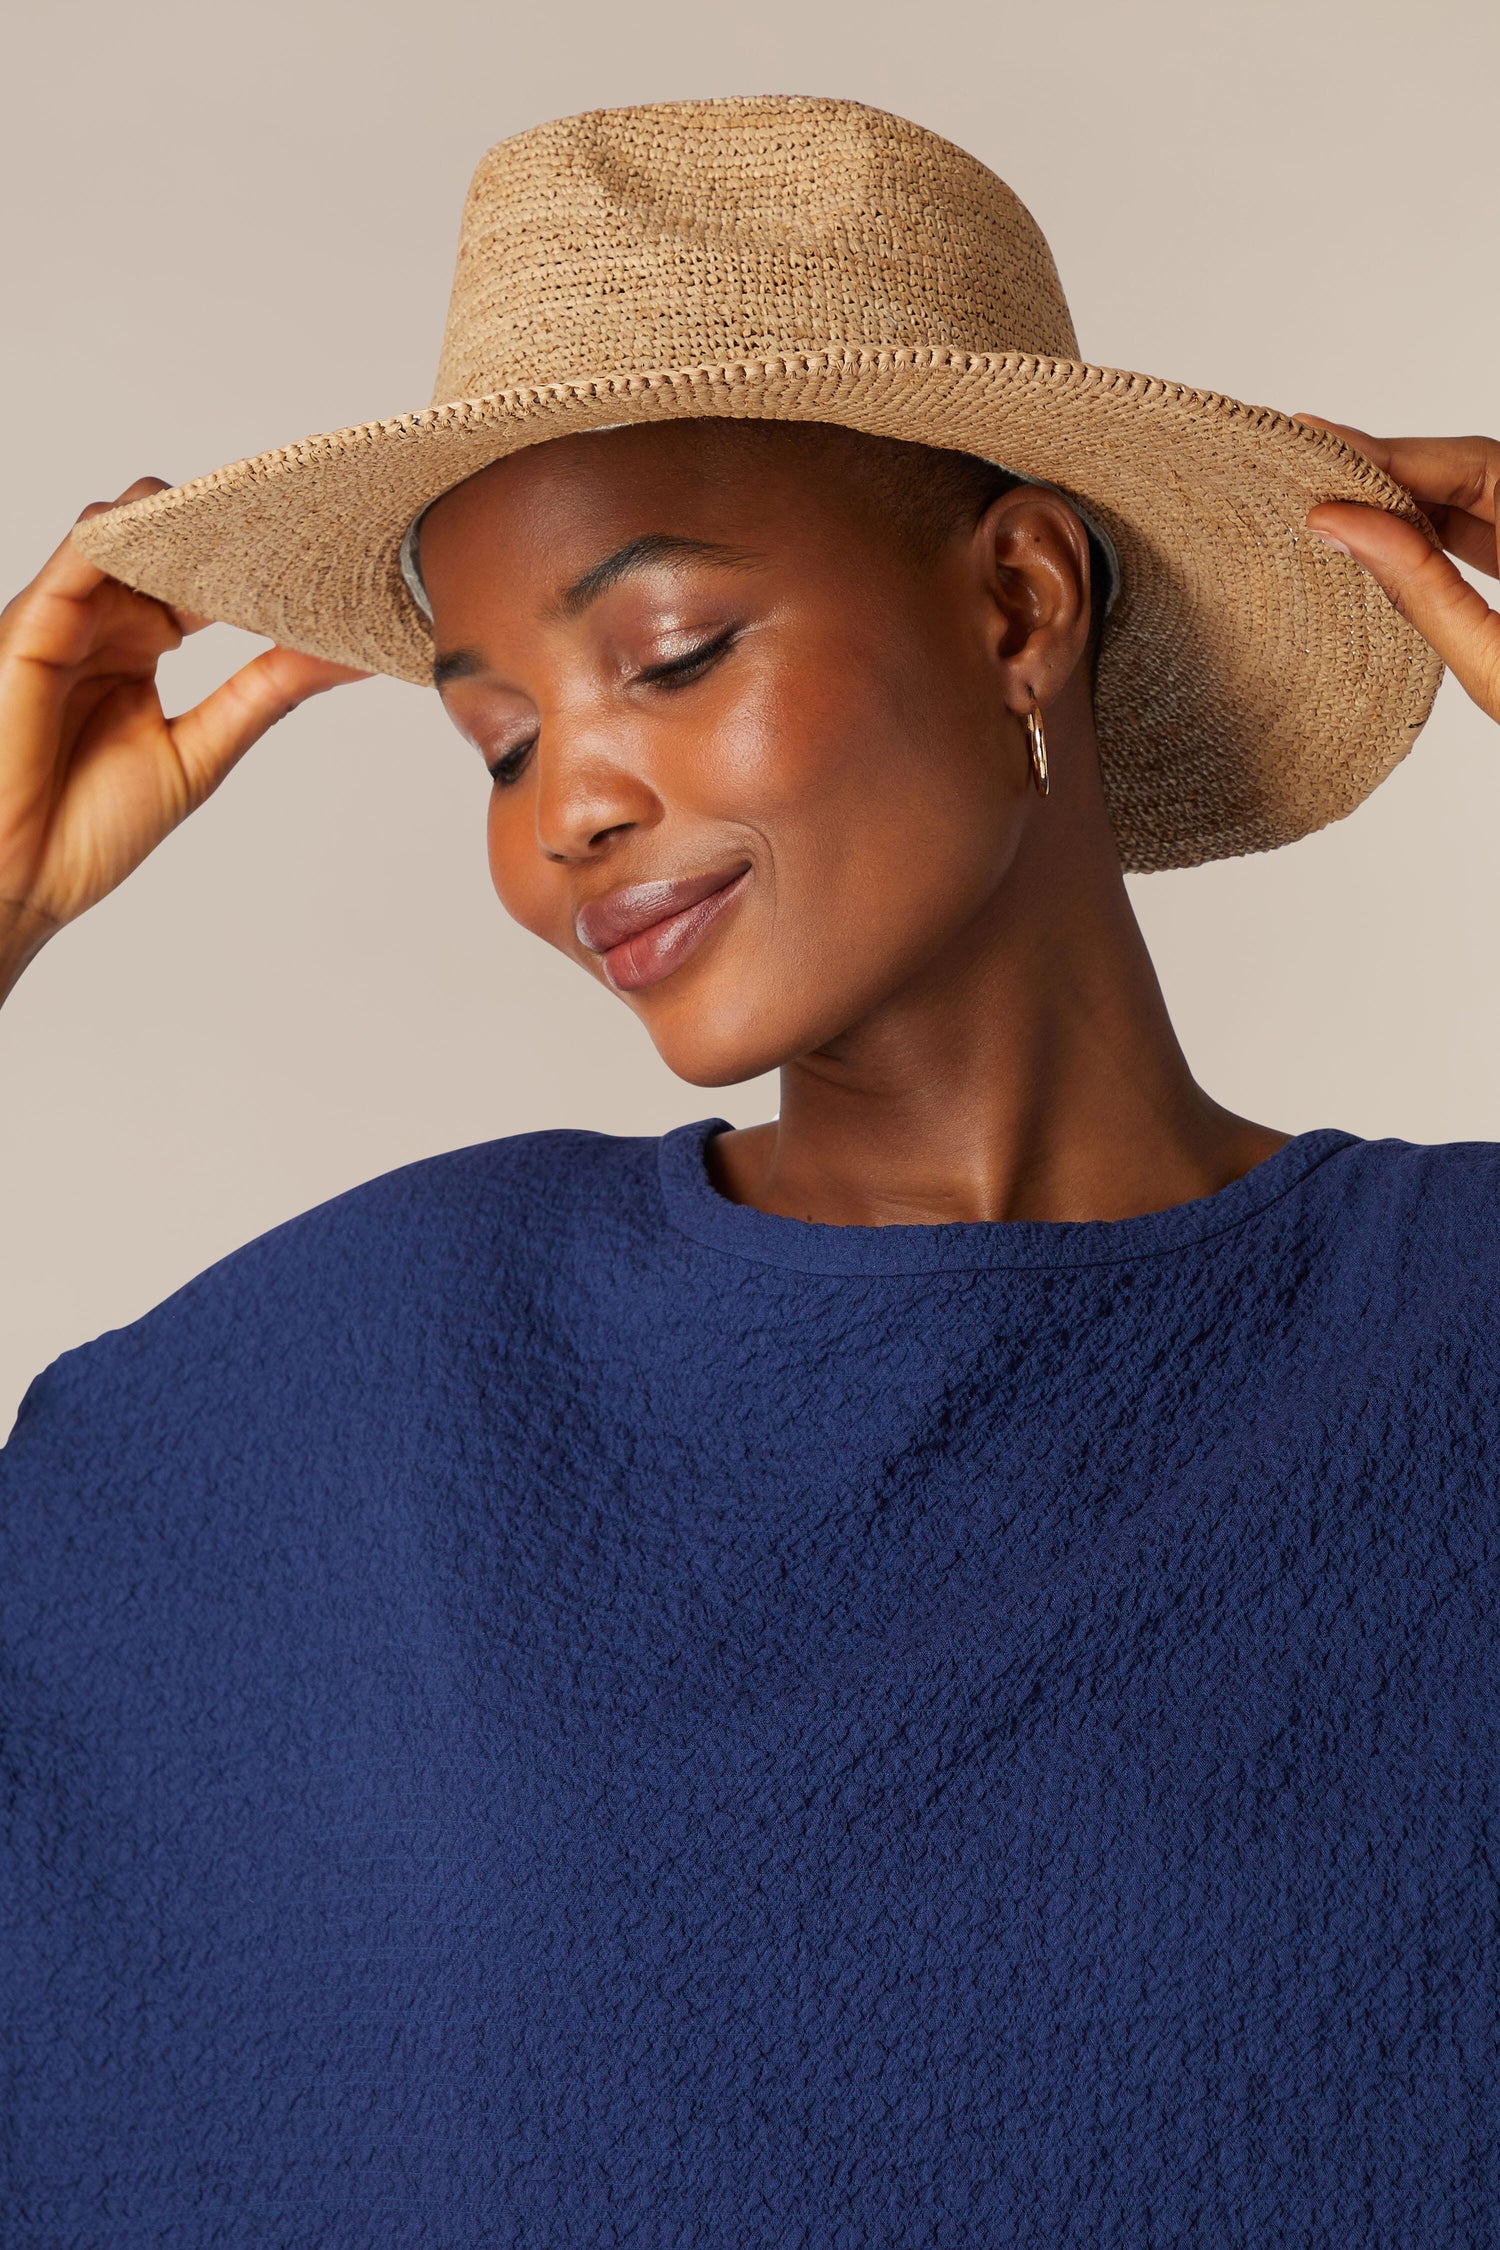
point(563, 505)
point(694, 461)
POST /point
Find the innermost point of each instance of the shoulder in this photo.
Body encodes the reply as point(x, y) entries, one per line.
point(354, 1285)
point(1419, 1222)
point(1447, 1192)
point(531, 1185)
point(281, 1424)
point(525, 1197)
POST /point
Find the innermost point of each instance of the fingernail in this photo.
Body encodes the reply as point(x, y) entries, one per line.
point(1329, 541)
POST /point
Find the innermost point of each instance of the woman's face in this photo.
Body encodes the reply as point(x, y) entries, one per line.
point(753, 765)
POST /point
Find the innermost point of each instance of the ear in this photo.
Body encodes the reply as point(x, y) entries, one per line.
point(1032, 552)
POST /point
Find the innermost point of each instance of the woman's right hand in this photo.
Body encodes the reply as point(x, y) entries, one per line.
point(92, 772)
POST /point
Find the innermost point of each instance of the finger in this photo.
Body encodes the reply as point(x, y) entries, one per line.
point(67, 571)
point(141, 489)
point(1361, 440)
point(56, 620)
point(1473, 541)
point(211, 737)
point(1448, 472)
point(50, 638)
point(67, 562)
point(1452, 472)
point(1425, 587)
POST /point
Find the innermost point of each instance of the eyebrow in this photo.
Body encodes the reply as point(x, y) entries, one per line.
point(637, 554)
point(456, 664)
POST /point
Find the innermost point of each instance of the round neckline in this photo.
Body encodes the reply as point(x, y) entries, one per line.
point(698, 1209)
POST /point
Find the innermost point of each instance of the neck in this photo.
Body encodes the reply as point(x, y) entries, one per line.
point(1030, 1072)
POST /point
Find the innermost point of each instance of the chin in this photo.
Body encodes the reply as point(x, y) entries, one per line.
point(709, 1044)
point(717, 1063)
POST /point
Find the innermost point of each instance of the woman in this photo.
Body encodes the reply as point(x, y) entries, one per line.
point(919, 1673)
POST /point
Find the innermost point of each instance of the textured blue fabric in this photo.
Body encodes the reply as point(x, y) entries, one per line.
point(545, 1708)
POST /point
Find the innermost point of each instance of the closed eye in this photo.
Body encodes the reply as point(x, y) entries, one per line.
point(509, 769)
point(678, 670)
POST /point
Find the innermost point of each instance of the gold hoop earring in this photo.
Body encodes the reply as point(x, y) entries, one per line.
point(1036, 735)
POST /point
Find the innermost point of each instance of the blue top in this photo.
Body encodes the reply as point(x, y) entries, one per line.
point(546, 1708)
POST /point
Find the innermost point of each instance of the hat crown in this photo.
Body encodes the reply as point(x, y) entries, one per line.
point(685, 233)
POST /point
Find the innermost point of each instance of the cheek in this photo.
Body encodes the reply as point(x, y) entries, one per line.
point(887, 799)
point(884, 786)
point(790, 761)
point(528, 886)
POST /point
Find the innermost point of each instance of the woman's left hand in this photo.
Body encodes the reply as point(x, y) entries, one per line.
point(1453, 480)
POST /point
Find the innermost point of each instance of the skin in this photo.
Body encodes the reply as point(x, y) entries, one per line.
point(942, 964)
point(944, 968)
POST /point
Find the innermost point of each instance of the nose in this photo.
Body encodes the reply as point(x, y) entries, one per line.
point(587, 796)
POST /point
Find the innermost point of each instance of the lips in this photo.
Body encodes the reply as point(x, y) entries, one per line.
point(644, 931)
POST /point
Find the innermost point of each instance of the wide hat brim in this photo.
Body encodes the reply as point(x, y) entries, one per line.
point(1254, 684)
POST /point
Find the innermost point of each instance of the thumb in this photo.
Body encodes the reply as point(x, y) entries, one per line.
point(215, 734)
point(1425, 587)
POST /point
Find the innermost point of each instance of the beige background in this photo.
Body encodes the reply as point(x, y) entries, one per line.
point(227, 227)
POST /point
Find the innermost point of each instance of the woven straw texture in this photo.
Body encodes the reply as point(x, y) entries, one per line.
point(803, 259)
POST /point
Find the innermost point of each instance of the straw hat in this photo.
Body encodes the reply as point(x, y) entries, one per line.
point(803, 259)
